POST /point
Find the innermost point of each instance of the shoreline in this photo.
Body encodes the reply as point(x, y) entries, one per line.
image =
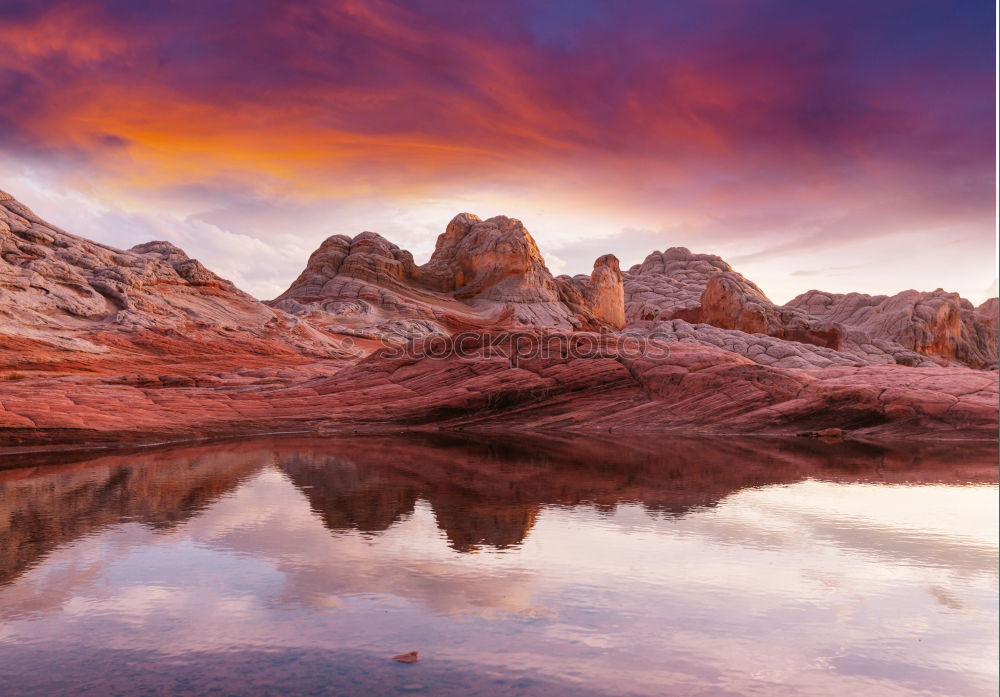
point(116, 444)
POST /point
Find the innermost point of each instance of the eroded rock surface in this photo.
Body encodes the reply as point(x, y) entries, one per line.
point(99, 345)
point(600, 296)
point(935, 324)
point(670, 285)
point(910, 328)
point(703, 289)
point(66, 302)
point(599, 383)
point(482, 273)
point(365, 287)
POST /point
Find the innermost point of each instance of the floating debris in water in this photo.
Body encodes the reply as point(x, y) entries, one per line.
point(411, 657)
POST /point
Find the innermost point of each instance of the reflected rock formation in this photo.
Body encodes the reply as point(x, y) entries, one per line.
point(374, 490)
point(483, 490)
point(487, 490)
point(43, 508)
point(347, 496)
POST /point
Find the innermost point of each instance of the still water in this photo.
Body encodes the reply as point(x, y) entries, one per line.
point(515, 566)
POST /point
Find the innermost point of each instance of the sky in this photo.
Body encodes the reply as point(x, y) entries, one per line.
point(843, 145)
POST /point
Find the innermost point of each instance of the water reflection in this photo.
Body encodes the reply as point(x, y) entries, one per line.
point(533, 565)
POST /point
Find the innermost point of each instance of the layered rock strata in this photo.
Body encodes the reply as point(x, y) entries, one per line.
point(482, 273)
point(600, 384)
point(99, 345)
point(69, 304)
point(910, 328)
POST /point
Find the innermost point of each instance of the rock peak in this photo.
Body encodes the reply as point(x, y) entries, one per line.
point(495, 259)
point(605, 292)
point(160, 247)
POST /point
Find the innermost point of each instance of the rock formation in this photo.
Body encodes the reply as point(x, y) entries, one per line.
point(911, 328)
point(988, 314)
point(669, 285)
point(493, 259)
point(600, 296)
point(582, 382)
point(99, 345)
point(364, 287)
point(937, 324)
point(482, 273)
point(66, 302)
point(703, 289)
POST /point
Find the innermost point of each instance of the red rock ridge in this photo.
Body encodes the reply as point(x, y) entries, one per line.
point(67, 303)
point(99, 345)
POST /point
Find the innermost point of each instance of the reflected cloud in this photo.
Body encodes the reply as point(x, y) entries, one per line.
point(715, 566)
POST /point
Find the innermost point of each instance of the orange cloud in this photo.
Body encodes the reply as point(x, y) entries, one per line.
point(728, 124)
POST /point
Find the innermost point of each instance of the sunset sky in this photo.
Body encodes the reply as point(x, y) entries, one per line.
point(841, 145)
